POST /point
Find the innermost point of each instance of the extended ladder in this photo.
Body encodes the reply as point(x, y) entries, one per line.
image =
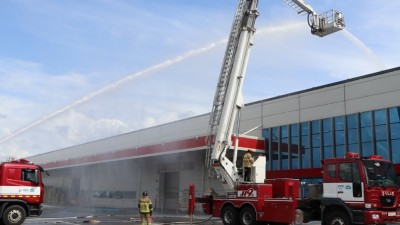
point(224, 78)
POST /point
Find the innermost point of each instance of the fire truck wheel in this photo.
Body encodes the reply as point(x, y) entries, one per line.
point(14, 215)
point(337, 218)
point(247, 216)
point(229, 215)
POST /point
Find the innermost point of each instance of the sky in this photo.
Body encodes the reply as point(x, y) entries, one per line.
point(77, 71)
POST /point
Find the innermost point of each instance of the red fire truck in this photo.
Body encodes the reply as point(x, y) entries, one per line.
point(21, 191)
point(354, 190)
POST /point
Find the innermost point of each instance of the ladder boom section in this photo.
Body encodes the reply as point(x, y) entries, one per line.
point(300, 6)
point(320, 24)
point(227, 100)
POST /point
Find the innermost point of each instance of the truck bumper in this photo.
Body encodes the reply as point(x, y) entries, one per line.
point(381, 217)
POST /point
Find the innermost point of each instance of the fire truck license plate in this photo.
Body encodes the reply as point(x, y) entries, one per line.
point(391, 213)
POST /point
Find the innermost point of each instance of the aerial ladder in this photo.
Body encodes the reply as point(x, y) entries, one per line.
point(228, 100)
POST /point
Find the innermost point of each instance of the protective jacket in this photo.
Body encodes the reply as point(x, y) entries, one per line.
point(144, 205)
point(247, 160)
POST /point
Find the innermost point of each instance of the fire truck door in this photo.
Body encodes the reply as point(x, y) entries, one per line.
point(349, 188)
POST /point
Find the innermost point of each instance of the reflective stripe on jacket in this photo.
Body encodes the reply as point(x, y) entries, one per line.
point(247, 160)
point(145, 205)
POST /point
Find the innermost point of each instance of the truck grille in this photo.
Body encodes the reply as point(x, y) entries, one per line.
point(387, 200)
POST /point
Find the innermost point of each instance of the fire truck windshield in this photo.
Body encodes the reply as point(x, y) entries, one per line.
point(380, 173)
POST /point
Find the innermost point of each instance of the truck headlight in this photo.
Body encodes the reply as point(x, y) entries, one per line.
point(375, 216)
point(370, 205)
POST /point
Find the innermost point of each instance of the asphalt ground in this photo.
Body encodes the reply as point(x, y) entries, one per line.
point(77, 215)
point(70, 215)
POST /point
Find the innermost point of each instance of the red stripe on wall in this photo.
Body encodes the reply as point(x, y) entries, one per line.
point(250, 143)
point(163, 148)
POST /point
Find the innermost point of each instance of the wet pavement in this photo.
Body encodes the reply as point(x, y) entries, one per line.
point(70, 215)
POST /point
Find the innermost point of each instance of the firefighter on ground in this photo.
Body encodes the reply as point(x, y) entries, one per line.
point(145, 209)
point(247, 164)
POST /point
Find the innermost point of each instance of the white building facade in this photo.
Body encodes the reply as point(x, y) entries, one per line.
point(296, 132)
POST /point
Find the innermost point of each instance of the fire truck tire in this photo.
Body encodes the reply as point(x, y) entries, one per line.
point(337, 218)
point(229, 215)
point(14, 215)
point(247, 216)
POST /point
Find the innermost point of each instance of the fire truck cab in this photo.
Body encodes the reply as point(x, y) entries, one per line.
point(360, 190)
point(21, 191)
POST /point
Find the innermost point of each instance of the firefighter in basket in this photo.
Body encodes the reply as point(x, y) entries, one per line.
point(247, 164)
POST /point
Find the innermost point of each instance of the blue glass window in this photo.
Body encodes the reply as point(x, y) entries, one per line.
point(340, 151)
point(305, 145)
point(294, 146)
point(380, 117)
point(275, 148)
point(316, 143)
point(382, 149)
point(352, 133)
point(284, 153)
point(339, 123)
point(327, 125)
point(380, 132)
point(328, 152)
point(265, 134)
point(367, 149)
point(353, 148)
point(394, 118)
point(396, 151)
point(316, 157)
point(316, 140)
point(352, 121)
point(352, 136)
point(327, 132)
point(339, 137)
point(315, 127)
point(395, 130)
point(394, 114)
point(366, 134)
point(365, 119)
point(328, 139)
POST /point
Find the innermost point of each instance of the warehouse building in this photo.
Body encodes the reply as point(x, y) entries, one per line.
point(295, 131)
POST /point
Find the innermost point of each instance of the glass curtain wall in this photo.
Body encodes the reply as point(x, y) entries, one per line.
point(304, 145)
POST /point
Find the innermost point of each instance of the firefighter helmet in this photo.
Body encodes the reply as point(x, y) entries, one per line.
point(144, 193)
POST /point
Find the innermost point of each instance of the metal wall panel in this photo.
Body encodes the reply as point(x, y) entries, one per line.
point(322, 111)
point(373, 85)
point(372, 102)
point(278, 106)
point(322, 97)
point(196, 126)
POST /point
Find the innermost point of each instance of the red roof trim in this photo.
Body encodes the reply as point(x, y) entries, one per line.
point(158, 149)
